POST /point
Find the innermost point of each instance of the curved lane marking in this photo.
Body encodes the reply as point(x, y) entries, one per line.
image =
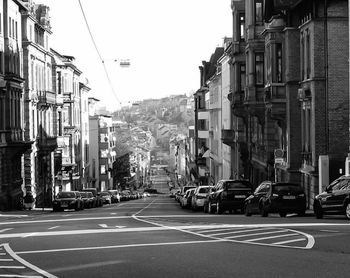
point(7, 248)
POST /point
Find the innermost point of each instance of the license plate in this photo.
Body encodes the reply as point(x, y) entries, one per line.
point(64, 205)
point(288, 197)
point(239, 196)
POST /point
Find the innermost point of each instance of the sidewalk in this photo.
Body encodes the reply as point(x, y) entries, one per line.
point(25, 213)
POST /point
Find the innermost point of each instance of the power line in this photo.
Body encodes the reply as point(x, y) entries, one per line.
point(98, 53)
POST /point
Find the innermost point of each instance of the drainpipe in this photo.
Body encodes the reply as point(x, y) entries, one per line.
point(326, 73)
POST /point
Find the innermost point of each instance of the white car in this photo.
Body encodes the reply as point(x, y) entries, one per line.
point(199, 196)
point(185, 201)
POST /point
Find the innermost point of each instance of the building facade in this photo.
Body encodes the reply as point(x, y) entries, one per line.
point(12, 142)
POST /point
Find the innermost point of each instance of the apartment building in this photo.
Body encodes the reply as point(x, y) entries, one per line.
point(204, 111)
point(294, 110)
point(40, 103)
point(12, 142)
point(69, 128)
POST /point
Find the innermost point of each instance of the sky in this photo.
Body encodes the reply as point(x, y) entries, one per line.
point(165, 41)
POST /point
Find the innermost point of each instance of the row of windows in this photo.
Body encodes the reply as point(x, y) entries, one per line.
point(13, 28)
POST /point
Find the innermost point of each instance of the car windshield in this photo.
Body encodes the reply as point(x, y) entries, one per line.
point(292, 188)
point(105, 194)
point(204, 190)
point(338, 184)
point(66, 195)
point(237, 184)
point(83, 194)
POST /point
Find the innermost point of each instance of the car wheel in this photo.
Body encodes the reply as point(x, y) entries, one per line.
point(318, 210)
point(219, 209)
point(347, 210)
point(246, 210)
point(263, 211)
point(283, 214)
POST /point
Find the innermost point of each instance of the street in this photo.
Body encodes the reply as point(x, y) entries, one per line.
point(154, 237)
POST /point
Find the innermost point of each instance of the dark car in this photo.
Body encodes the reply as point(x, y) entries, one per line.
point(68, 200)
point(98, 201)
point(335, 199)
point(106, 197)
point(86, 200)
point(228, 195)
point(279, 197)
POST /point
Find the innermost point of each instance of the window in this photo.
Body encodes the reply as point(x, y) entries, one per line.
point(10, 27)
point(59, 123)
point(242, 83)
point(308, 55)
point(16, 30)
point(259, 68)
point(302, 56)
point(103, 169)
point(202, 125)
point(258, 12)
point(0, 23)
point(242, 26)
point(278, 74)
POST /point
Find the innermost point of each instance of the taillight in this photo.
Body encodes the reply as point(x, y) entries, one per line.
point(274, 195)
point(301, 195)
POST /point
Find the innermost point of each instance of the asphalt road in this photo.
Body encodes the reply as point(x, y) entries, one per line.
point(154, 237)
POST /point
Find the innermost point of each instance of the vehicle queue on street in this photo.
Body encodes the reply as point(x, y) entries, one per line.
point(283, 198)
point(90, 198)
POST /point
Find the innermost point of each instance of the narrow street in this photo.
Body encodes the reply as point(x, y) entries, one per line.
point(154, 237)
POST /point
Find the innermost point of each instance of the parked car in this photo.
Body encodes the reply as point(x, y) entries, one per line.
point(186, 199)
point(68, 200)
point(87, 200)
point(335, 199)
point(279, 197)
point(200, 194)
point(228, 195)
point(106, 197)
point(115, 195)
point(98, 201)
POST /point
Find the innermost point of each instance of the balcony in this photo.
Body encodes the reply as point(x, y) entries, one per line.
point(228, 137)
point(46, 98)
point(275, 101)
point(237, 102)
point(47, 143)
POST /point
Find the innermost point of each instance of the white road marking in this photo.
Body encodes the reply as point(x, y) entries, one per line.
point(258, 234)
point(25, 263)
point(2, 254)
point(329, 231)
point(4, 230)
point(13, 215)
point(51, 228)
point(290, 241)
point(19, 276)
point(119, 246)
point(268, 237)
point(29, 235)
point(14, 267)
point(6, 260)
point(103, 225)
point(241, 231)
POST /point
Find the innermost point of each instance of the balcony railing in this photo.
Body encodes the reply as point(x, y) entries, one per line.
point(46, 98)
point(47, 143)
